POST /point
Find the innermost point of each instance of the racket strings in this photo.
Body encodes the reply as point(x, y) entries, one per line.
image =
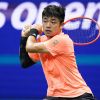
point(82, 30)
point(93, 32)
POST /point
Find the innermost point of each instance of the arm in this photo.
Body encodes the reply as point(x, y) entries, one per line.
point(34, 47)
point(24, 57)
point(25, 60)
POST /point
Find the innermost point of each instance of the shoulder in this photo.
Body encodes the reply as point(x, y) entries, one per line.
point(64, 37)
point(57, 40)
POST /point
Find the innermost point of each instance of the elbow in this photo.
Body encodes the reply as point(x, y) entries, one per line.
point(24, 64)
point(25, 61)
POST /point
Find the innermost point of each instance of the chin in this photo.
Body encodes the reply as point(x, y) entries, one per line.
point(49, 36)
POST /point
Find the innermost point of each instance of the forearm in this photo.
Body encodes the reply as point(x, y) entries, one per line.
point(35, 47)
point(24, 57)
point(28, 30)
point(30, 45)
point(31, 42)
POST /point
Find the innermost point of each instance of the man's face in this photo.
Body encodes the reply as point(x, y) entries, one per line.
point(51, 26)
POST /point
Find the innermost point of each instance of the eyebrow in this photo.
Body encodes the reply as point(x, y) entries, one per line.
point(45, 17)
point(49, 17)
point(53, 19)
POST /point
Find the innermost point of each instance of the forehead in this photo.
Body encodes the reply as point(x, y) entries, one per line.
point(50, 18)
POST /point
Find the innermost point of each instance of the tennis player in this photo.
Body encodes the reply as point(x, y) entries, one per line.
point(55, 51)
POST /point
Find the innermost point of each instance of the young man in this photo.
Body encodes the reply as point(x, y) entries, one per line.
point(55, 50)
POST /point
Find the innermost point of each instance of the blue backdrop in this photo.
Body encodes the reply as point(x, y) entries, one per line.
point(16, 82)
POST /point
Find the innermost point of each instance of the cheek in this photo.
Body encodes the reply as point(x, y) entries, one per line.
point(56, 28)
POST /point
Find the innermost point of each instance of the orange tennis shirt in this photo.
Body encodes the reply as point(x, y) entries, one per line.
point(60, 68)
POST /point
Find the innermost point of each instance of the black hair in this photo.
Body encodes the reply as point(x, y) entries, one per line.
point(54, 11)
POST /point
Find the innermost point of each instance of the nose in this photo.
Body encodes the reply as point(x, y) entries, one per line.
point(48, 24)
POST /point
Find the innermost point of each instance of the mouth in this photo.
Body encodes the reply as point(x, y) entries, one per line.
point(48, 31)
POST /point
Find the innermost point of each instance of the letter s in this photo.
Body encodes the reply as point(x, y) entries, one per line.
point(3, 6)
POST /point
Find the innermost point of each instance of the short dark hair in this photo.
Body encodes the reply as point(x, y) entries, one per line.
point(54, 11)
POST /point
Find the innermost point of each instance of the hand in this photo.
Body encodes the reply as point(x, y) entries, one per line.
point(37, 27)
point(26, 31)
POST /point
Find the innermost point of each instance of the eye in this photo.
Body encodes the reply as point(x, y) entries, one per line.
point(44, 21)
point(53, 22)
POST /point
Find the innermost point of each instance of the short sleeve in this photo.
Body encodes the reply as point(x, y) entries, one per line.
point(59, 45)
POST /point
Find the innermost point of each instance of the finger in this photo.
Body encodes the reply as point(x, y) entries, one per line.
point(26, 28)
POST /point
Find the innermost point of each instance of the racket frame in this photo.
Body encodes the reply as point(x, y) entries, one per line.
point(82, 17)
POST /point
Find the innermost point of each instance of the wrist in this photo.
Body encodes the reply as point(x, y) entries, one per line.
point(34, 32)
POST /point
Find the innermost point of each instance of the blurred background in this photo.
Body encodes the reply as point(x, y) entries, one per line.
point(30, 83)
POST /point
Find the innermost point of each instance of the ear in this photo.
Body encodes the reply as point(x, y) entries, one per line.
point(61, 25)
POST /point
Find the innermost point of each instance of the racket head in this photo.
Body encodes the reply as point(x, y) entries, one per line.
point(82, 30)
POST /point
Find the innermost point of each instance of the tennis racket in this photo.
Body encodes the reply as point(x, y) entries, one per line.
point(82, 30)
